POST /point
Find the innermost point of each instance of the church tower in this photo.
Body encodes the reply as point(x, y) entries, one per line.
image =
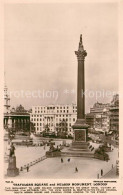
point(6, 100)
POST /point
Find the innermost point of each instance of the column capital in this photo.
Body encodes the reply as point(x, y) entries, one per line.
point(81, 54)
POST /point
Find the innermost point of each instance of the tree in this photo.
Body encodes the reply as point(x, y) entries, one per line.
point(62, 129)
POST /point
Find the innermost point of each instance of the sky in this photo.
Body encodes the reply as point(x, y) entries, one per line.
point(39, 52)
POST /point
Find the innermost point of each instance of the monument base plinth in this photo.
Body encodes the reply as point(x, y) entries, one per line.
point(79, 147)
point(80, 132)
point(12, 170)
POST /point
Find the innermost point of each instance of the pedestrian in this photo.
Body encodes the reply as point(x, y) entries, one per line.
point(21, 169)
point(61, 160)
point(68, 160)
point(76, 170)
point(101, 172)
point(27, 168)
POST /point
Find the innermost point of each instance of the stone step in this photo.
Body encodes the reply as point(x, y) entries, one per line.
point(80, 145)
point(79, 149)
point(76, 154)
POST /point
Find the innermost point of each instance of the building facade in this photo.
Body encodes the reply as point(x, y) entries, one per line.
point(54, 118)
point(18, 119)
point(98, 118)
point(98, 108)
point(106, 120)
point(104, 117)
point(114, 114)
point(15, 119)
point(90, 120)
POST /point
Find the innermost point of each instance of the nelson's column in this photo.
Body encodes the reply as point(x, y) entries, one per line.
point(80, 127)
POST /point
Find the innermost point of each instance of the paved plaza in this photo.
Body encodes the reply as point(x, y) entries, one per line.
point(53, 168)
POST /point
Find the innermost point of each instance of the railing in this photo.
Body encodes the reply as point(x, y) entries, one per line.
point(32, 163)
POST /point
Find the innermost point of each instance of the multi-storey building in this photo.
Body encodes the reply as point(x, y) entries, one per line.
point(99, 122)
point(106, 120)
point(90, 120)
point(114, 114)
point(54, 118)
point(104, 117)
point(16, 119)
point(95, 119)
point(98, 108)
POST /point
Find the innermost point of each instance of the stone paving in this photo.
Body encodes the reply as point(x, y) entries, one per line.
point(53, 168)
point(111, 174)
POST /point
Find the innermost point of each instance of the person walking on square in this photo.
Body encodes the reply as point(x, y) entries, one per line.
point(68, 160)
point(101, 172)
point(61, 160)
point(76, 170)
point(27, 168)
point(44, 147)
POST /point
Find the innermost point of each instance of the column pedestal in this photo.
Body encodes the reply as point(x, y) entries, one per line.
point(12, 170)
point(80, 134)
